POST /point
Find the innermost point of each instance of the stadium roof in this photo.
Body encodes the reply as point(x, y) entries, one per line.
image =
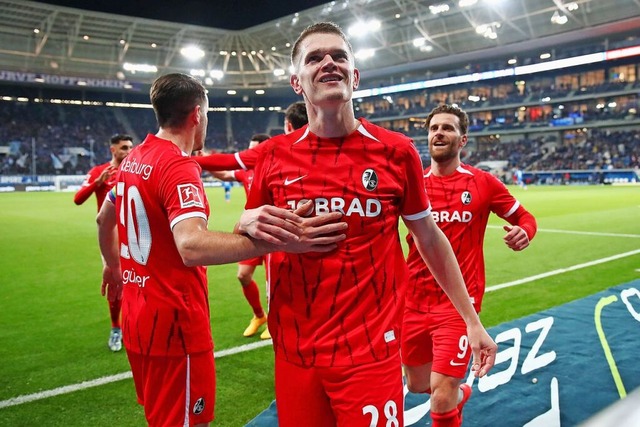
point(415, 38)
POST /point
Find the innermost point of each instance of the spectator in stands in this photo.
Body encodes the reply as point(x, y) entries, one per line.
point(99, 181)
point(435, 344)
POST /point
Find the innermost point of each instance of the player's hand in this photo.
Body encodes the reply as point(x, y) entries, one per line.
point(320, 234)
point(484, 350)
point(271, 224)
point(112, 292)
point(516, 238)
point(111, 283)
point(106, 174)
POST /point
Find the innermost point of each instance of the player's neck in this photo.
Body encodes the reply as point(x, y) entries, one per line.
point(328, 123)
point(444, 168)
point(182, 140)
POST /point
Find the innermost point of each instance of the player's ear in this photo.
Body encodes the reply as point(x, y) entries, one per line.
point(295, 84)
point(356, 78)
point(463, 140)
point(195, 115)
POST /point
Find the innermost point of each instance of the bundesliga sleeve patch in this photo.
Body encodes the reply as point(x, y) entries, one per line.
point(190, 196)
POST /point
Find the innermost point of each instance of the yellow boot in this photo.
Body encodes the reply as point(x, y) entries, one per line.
point(254, 325)
point(265, 335)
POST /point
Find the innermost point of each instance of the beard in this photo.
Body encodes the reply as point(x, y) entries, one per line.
point(441, 155)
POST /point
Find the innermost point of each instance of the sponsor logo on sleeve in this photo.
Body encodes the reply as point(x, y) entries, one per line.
point(190, 196)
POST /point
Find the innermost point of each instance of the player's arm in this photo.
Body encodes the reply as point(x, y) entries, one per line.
point(521, 231)
point(441, 261)
point(523, 224)
point(199, 246)
point(217, 162)
point(90, 185)
point(108, 241)
point(317, 233)
point(245, 159)
point(224, 175)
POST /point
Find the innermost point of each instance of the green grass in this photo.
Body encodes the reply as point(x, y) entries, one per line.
point(54, 323)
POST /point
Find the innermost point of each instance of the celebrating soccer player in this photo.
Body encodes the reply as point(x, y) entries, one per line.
point(335, 317)
point(435, 345)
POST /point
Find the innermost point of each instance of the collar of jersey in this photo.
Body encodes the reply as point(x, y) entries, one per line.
point(361, 129)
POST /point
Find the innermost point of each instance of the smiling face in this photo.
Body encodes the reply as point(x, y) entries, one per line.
point(445, 138)
point(324, 70)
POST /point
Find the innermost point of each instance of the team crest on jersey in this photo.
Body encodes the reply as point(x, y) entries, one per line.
point(465, 197)
point(370, 179)
point(190, 196)
point(198, 407)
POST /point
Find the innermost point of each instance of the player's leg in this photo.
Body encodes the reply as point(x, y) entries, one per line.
point(115, 336)
point(451, 355)
point(251, 292)
point(417, 350)
point(177, 389)
point(300, 397)
point(367, 395)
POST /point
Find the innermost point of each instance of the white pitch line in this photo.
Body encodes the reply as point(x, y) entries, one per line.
point(585, 233)
point(561, 270)
point(247, 347)
point(112, 378)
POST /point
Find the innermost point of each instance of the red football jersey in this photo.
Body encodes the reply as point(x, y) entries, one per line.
point(344, 307)
point(461, 204)
point(165, 309)
point(89, 186)
point(245, 177)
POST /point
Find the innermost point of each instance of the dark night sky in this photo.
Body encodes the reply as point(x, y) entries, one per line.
point(225, 14)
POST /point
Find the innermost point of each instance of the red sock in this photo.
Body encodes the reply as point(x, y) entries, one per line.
point(114, 310)
point(448, 419)
point(252, 294)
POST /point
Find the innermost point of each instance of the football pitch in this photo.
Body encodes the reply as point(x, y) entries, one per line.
point(56, 369)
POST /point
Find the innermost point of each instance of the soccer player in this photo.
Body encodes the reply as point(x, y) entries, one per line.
point(335, 317)
point(295, 116)
point(155, 243)
point(435, 344)
point(99, 181)
point(247, 267)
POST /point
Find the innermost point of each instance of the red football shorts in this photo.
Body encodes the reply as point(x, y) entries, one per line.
point(175, 389)
point(354, 396)
point(439, 337)
point(252, 261)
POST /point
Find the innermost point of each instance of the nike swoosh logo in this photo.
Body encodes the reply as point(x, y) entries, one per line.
point(289, 182)
point(452, 363)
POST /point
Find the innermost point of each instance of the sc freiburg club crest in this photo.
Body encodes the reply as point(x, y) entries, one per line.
point(465, 197)
point(198, 407)
point(370, 179)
